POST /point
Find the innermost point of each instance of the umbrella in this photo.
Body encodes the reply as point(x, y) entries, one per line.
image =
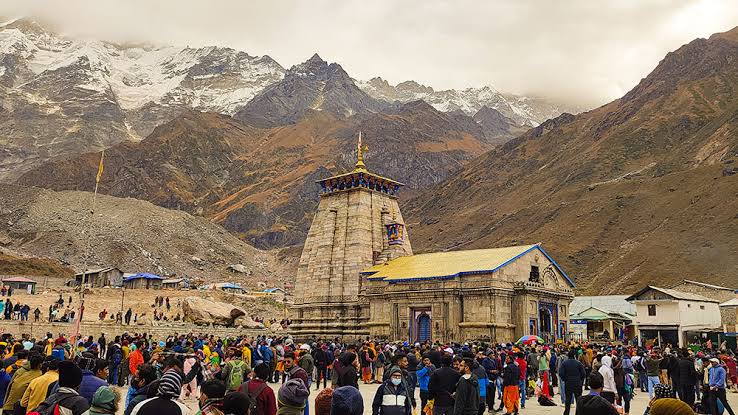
point(530, 339)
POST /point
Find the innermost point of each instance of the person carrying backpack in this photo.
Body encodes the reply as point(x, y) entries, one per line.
point(115, 357)
point(235, 371)
point(66, 400)
point(261, 397)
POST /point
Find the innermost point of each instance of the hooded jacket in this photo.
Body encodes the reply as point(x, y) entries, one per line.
point(594, 404)
point(18, 385)
point(572, 372)
point(391, 400)
point(347, 400)
point(467, 396)
point(69, 401)
point(687, 373)
point(424, 373)
point(608, 375)
point(37, 390)
point(104, 402)
point(511, 375)
point(442, 385)
point(140, 395)
point(90, 384)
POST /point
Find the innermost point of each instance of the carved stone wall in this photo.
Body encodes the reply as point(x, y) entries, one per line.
point(493, 306)
point(346, 237)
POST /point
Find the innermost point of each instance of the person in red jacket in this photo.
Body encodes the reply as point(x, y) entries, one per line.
point(135, 359)
point(257, 388)
point(520, 360)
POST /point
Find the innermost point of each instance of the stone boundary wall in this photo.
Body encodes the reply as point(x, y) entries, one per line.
point(38, 330)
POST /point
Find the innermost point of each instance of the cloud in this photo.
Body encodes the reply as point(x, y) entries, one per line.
point(580, 51)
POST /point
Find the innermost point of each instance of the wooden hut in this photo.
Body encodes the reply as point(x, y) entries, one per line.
point(100, 277)
point(143, 280)
point(175, 284)
point(20, 283)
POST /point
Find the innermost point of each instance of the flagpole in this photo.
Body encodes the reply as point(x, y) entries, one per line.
point(78, 321)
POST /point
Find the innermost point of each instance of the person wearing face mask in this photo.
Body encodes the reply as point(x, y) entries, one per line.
point(467, 390)
point(392, 396)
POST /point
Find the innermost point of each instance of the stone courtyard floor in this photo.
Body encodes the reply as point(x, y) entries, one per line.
point(638, 404)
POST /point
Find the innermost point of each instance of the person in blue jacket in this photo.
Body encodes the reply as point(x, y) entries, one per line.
point(425, 369)
point(716, 378)
point(480, 372)
point(4, 381)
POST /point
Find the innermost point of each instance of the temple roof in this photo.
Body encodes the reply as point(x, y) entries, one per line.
point(360, 177)
point(451, 264)
point(365, 173)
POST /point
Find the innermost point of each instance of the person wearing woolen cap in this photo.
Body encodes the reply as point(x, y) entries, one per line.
point(67, 397)
point(165, 402)
point(347, 400)
point(323, 402)
point(292, 397)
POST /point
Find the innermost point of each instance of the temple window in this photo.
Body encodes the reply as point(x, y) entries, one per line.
point(534, 274)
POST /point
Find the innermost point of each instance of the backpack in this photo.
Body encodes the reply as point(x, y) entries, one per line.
point(253, 397)
point(628, 383)
point(58, 353)
point(235, 376)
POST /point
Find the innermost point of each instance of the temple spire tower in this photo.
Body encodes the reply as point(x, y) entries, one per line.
point(360, 166)
point(358, 224)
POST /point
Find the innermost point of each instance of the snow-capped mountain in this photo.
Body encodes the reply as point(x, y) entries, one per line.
point(61, 96)
point(211, 78)
point(523, 111)
point(66, 95)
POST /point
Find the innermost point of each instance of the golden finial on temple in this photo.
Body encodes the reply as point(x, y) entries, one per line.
point(360, 166)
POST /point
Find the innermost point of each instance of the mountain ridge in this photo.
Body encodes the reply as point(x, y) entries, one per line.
point(641, 190)
point(259, 183)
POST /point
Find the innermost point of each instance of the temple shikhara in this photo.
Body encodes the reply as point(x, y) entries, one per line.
point(358, 276)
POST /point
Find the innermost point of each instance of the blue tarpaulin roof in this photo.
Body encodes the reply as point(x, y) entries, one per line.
point(144, 275)
point(230, 285)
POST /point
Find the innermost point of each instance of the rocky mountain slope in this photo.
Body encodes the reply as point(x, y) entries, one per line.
point(260, 183)
point(641, 190)
point(133, 235)
point(14, 264)
point(62, 96)
point(522, 111)
point(311, 85)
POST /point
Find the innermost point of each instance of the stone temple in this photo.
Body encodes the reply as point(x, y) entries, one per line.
point(358, 276)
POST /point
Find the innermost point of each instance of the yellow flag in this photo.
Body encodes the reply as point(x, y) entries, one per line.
point(100, 168)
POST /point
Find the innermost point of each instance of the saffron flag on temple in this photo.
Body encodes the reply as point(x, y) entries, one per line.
point(100, 168)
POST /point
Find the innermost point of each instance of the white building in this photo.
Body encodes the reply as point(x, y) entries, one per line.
point(673, 317)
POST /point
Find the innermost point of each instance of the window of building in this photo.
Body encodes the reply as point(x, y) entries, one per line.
point(702, 307)
point(652, 309)
point(689, 305)
point(534, 275)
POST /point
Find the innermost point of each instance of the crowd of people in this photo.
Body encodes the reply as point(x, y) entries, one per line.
point(269, 376)
point(18, 311)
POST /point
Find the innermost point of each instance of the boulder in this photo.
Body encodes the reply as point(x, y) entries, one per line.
point(238, 268)
point(246, 322)
point(202, 311)
point(276, 327)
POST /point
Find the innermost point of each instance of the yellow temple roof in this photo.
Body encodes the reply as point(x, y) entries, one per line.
point(445, 265)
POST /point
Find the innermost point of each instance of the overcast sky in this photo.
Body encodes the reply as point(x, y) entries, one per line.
point(581, 51)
